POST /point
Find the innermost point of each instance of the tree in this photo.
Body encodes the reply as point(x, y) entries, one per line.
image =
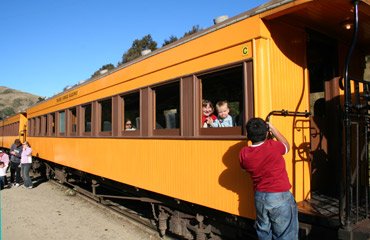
point(137, 46)
point(40, 99)
point(170, 40)
point(6, 112)
point(194, 29)
point(173, 38)
point(104, 67)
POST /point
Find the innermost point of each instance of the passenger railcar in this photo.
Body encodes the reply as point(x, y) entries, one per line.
point(285, 60)
point(11, 128)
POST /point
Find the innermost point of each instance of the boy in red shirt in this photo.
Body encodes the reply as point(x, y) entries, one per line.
point(276, 209)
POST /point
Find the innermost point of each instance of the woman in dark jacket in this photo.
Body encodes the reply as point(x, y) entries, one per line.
point(15, 162)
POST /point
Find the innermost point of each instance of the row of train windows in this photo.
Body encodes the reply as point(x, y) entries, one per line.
point(10, 129)
point(173, 108)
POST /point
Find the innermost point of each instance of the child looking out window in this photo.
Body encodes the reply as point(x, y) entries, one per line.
point(223, 119)
point(208, 117)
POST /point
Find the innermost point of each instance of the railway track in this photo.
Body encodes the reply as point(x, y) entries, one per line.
point(139, 219)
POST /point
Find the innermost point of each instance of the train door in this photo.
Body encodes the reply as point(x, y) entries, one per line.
point(322, 63)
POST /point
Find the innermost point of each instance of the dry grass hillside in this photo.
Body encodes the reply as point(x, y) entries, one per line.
point(13, 101)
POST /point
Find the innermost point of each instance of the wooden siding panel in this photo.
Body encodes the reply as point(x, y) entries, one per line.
point(281, 83)
point(203, 172)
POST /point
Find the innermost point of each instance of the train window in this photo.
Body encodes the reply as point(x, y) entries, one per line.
point(44, 124)
point(31, 127)
point(72, 121)
point(29, 130)
point(86, 115)
point(167, 109)
point(51, 127)
point(37, 126)
point(222, 91)
point(12, 129)
point(131, 113)
point(62, 123)
point(16, 128)
point(105, 108)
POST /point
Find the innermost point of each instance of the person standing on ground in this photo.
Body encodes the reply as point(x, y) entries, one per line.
point(26, 162)
point(2, 175)
point(276, 209)
point(15, 161)
point(4, 158)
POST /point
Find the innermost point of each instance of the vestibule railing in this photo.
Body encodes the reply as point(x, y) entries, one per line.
point(354, 198)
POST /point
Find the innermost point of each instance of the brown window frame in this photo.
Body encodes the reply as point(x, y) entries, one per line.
point(122, 117)
point(165, 132)
point(99, 117)
point(190, 96)
point(70, 122)
point(43, 131)
point(10, 129)
point(51, 126)
point(248, 108)
point(38, 126)
point(83, 119)
point(58, 133)
point(31, 127)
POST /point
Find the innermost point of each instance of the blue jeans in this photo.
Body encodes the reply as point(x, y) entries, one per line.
point(2, 182)
point(277, 216)
point(25, 168)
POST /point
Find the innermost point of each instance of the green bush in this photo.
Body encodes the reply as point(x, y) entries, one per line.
point(6, 91)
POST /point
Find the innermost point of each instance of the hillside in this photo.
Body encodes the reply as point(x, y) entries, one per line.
point(13, 101)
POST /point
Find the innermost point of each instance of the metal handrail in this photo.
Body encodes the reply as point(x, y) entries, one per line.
point(347, 120)
point(286, 113)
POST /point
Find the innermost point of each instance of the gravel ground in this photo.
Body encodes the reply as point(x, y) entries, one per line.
point(48, 212)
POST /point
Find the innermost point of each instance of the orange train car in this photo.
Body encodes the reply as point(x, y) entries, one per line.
point(11, 128)
point(279, 60)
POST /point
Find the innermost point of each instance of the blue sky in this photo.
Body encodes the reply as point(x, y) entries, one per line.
point(47, 45)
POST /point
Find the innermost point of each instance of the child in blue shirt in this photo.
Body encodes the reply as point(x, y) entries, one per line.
point(223, 119)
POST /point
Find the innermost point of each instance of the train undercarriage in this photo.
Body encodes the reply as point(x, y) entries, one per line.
point(169, 216)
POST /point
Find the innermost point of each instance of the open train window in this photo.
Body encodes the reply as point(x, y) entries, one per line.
point(105, 117)
point(222, 91)
point(72, 121)
point(86, 119)
point(52, 124)
point(130, 123)
point(61, 123)
point(166, 99)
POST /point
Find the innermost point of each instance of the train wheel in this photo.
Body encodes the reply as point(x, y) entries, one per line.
point(49, 172)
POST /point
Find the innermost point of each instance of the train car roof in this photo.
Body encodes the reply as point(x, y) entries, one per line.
point(12, 119)
point(317, 14)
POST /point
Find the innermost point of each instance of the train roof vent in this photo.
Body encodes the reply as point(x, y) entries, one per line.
point(145, 52)
point(103, 71)
point(67, 87)
point(220, 19)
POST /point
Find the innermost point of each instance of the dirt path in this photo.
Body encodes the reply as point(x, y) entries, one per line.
point(47, 212)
